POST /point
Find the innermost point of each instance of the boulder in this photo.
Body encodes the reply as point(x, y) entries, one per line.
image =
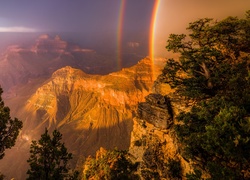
point(156, 110)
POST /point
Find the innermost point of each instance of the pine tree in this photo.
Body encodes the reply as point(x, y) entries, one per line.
point(9, 128)
point(213, 72)
point(112, 164)
point(49, 158)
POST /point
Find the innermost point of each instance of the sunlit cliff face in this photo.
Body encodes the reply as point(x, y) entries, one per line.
point(91, 111)
point(113, 95)
point(85, 106)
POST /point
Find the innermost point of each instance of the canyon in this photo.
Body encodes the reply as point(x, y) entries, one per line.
point(91, 111)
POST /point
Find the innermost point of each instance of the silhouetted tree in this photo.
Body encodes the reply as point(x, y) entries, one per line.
point(213, 72)
point(49, 158)
point(9, 128)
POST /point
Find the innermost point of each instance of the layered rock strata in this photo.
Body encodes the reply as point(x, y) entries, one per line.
point(91, 111)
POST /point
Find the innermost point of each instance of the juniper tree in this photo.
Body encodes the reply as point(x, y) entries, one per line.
point(213, 72)
point(9, 128)
point(49, 158)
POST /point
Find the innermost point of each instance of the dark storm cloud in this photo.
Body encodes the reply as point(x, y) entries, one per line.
point(73, 16)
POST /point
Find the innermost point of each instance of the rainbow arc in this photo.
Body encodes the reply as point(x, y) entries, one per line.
point(151, 32)
point(120, 32)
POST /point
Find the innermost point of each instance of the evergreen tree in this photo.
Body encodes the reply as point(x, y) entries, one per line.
point(49, 158)
point(9, 128)
point(112, 165)
point(213, 73)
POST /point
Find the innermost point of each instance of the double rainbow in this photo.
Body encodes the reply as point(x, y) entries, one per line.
point(151, 32)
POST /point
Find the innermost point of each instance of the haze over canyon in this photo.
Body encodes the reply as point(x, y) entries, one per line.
point(47, 85)
point(99, 72)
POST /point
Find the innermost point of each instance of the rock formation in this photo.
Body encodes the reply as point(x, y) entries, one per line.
point(156, 110)
point(154, 143)
point(51, 84)
point(91, 111)
point(21, 65)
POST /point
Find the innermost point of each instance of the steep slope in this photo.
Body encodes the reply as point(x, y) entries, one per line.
point(91, 111)
point(89, 102)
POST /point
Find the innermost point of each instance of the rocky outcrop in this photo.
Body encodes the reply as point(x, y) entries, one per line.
point(154, 143)
point(45, 44)
point(156, 110)
point(91, 104)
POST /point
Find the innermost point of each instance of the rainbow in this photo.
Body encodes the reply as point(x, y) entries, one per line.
point(119, 33)
point(152, 34)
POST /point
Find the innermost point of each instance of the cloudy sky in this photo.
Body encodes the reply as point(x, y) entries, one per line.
point(128, 20)
point(73, 16)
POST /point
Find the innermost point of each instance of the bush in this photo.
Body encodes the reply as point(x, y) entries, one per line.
point(174, 168)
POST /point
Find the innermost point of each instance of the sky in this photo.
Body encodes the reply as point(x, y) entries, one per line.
point(111, 26)
point(121, 23)
point(73, 16)
point(173, 16)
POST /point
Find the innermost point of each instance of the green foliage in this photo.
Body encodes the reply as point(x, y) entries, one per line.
point(138, 143)
point(213, 73)
point(212, 59)
point(174, 169)
point(196, 175)
point(150, 174)
point(49, 158)
point(154, 164)
point(9, 128)
point(111, 165)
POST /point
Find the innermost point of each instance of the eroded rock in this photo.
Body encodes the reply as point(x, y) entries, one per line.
point(156, 110)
